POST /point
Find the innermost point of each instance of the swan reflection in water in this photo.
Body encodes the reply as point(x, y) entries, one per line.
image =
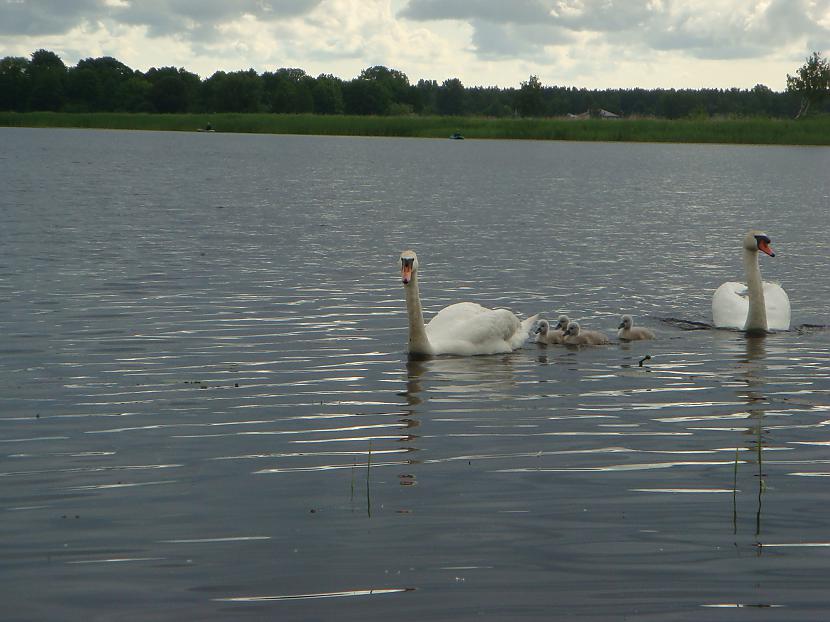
point(752, 369)
point(485, 377)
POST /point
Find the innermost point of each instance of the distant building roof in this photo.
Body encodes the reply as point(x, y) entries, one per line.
point(601, 113)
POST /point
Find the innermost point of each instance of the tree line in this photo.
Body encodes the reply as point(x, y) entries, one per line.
point(44, 82)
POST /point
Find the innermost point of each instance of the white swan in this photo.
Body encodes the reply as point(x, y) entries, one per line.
point(629, 332)
point(465, 328)
point(574, 336)
point(544, 334)
point(756, 306)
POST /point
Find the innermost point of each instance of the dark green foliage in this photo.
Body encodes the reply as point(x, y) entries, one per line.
point(14, 83)
point(173, 90)
point(366, 97)
point(450, 98)
point(530, 99)
point(107, 85)
point(240, 91)
point(46, 75)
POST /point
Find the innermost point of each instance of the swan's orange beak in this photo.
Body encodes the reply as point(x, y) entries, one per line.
point(764, 247)
point(406, 273)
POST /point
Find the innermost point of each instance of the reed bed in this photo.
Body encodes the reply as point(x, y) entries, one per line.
point(814, 131)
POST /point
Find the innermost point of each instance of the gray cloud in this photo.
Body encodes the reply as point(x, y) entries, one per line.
point(499, 41)
point(517, 29)
point(166, 17)
point(484, 11)
point(44, 17)
point(193, 19)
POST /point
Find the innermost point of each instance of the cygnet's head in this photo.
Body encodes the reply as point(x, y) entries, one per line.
point(626, 322)
point(542, 327)
point(573, 329)
point(758, 241)
point(563, 322)
point(409, 266)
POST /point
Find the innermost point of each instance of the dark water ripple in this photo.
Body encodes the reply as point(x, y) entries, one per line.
point(206, 411)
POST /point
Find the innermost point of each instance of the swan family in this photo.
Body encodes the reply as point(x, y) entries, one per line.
point(469, 329)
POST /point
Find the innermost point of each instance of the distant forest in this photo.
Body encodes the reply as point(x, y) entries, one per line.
point(44, 82)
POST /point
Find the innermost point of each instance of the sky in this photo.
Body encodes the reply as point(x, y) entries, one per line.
point(584, 43)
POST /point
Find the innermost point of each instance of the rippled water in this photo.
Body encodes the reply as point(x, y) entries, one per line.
point(206, 410)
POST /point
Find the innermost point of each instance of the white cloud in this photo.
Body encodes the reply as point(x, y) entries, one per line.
point(590, 43)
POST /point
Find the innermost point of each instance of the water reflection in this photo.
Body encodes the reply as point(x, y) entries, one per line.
point(752, 369)
point(458, 377)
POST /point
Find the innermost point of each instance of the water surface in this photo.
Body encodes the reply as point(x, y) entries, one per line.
point(207, 412)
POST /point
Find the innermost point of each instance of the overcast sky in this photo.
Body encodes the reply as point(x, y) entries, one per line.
point(584, 43)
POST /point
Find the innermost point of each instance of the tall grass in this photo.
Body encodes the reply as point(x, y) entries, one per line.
point(815, 131)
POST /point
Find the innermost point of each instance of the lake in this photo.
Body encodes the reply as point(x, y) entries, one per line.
point(207, 411)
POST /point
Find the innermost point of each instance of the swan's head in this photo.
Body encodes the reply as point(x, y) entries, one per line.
point(563, 322)
point(626, 322)
point(572, 330)
point(758, 241)
point(409, 266)
point(542, 327)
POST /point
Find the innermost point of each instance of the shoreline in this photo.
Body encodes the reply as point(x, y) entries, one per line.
point(747, 131)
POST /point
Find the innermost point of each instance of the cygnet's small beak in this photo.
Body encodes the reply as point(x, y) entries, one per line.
point(622, 325)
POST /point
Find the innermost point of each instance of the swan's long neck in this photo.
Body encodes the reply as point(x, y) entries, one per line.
point(756, 319)
point(418, 341)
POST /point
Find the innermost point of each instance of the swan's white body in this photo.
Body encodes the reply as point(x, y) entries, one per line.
point(629, 332)
point(754, 306)
point(465, 328)
point(575, 336)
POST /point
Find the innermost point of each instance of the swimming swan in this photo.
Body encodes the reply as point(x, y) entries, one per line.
point(629, 332)
point(756, 306)
point(574, 336)
point(465, 328)
point(544, 334)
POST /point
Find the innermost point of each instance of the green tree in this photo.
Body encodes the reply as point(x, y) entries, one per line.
point(84, 90)
point(327, 94)
point(811, 82)
point(47, 75)
point(135, 95)
point(394, 82)
point(288, 90)
point(450, 98)
point(173, 90)
point(529, 101)
point(239, 91)
point(109, 74)
point(14, 83)
point(361, 96)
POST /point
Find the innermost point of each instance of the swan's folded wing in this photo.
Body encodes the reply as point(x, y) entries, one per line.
point(468, 328)
point(778, 306)
point(730, 305)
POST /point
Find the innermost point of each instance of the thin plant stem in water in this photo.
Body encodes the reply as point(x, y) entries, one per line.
point(354, 466)
point(760, 479)
point(368, 488)
point(735, 494)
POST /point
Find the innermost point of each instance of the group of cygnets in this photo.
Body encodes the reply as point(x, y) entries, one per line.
point(568, 332)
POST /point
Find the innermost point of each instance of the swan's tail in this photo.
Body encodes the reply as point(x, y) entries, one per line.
point(527, 326)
